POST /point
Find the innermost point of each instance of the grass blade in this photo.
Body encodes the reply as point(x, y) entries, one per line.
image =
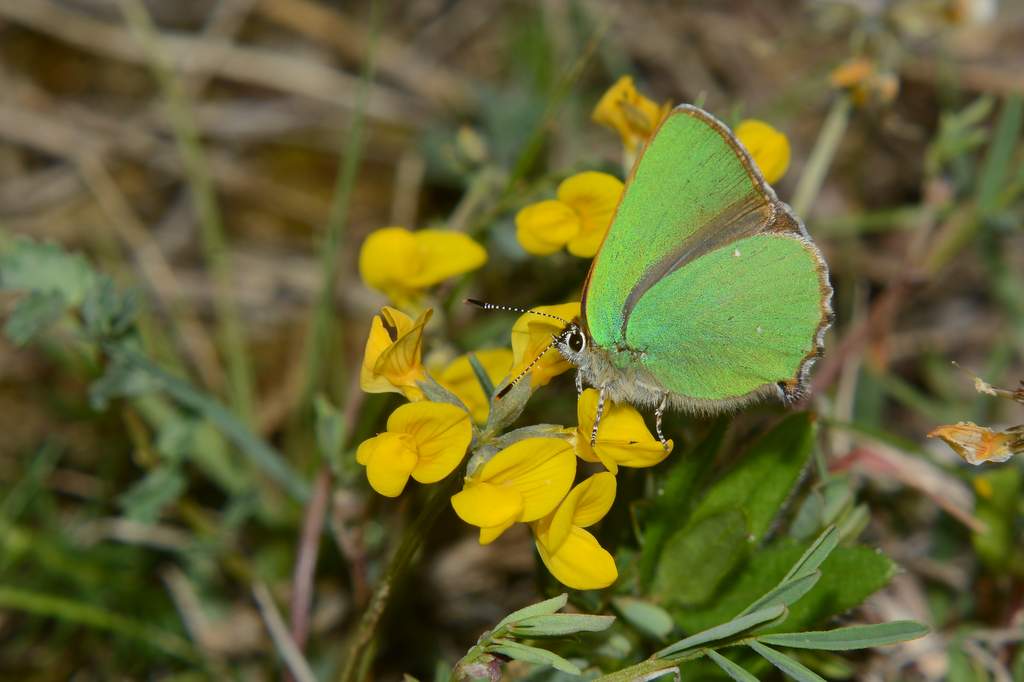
point(733, 627)
point(852, 637)
point(793, 668)
point(731, 669)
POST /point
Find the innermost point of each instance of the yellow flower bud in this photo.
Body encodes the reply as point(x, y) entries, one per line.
point(459, 378)
point(623, 438)
point(768, 147)
point(571, 553)
point(401, 263)
point(523, 482)
point(531, 334)
point(392, 361)
point(423, 440)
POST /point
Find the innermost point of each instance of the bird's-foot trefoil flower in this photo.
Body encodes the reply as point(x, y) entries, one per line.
point(401, 263)
point(571, 553)
point(634, 117)
point(523, 482)
point(623, 438)
point(531, 334)
point(392, 361)
point(424, 440)
point(978, 444)
point(459, 378)
point(578, 219)
point(767, 146)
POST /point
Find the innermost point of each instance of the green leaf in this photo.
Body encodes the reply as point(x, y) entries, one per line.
point(815, 555)
point(507, 409)
point(849, 575)
point(733, 627)
point(34, 314)
point(787, 592)
point(697, 558)
point(763, 480)
point(675, 496)
point(996, 167)
point(330, 429)
point(786, 664)
point(46, 268)
point(543, 608)
point(530, 654)
point(145, 500)
point(121, 379)
point(852, 637)
point(558, 624)
point(107, 313)
point(481, 375)
point(644, 616)
point(802, 576)
point(731, 669)
point(436, 393)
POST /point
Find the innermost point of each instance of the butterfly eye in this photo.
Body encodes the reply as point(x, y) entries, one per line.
point(576, 342)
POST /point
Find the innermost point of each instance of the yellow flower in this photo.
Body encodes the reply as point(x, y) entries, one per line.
point(523, 482)
point(768, 147)
point(531, 334)
point(977, 444)
point(622, 438)
point(572, 554)
point(392, 361)
point(424, 440)
point(578, 219)
point(865, 81)
point(401, 263)
point(459, 378)
point(629, 113)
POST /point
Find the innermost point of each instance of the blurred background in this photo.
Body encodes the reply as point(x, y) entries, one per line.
point(222, 158)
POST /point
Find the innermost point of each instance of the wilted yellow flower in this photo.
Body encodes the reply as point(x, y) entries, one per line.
point(392, 361)
point(424, 440)
point(531, 334)
point(523, 482)
point(622, 438)
point(629, 113)
point(768, 147)
point(579, 218)
point(865, 82)
point(977, 444)
point(459, 378)
point(401, 263)
point(572, 554)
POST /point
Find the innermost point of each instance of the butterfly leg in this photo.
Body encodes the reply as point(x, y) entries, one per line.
point(579, 384)
point(657, 420)
point(597, 418)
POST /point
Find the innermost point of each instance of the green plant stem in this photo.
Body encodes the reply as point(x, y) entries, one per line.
point(213, 240)
point(320, 337)
point(824, 152)
point(412, 540)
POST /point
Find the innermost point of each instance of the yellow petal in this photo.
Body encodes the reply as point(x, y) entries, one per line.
point(444, 254)
point(392, 361)
point(440, 434)
point(389, 459)
point(594, 197)
point(632, 115)
point(585, 505)
point(531, 334)
point(459, 378)
point(580, 562)
point(546, 226)
point(768, 147)
point(492, 533)
point(389, 260)
point(540, 470)
point(622, 438)
point(487, 505)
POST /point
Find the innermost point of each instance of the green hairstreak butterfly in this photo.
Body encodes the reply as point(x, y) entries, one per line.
point(707, 293)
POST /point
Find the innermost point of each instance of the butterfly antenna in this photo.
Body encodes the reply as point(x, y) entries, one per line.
point(503, 392)
point(512, 309)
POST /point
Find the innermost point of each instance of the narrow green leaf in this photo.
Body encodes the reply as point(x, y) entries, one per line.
point(145, 500)
point(530, 654)
point(786, 593)
point(815, 554)
point(852, 637)
point(733, 627)
point(481, 375)
point(794, 669)
point(645, 616)
point(330, 429)
point(558, 624)
point(731, 669)
point(543, 608)
point(1000, 153)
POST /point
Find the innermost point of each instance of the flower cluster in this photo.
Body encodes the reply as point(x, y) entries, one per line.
point(550, 477)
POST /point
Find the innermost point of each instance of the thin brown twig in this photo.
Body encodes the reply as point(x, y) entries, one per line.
point(305, 563)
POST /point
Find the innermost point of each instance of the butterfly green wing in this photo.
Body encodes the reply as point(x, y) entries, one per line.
point(667, 291)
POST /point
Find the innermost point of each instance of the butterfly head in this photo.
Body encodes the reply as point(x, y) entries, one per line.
point(571, 342)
